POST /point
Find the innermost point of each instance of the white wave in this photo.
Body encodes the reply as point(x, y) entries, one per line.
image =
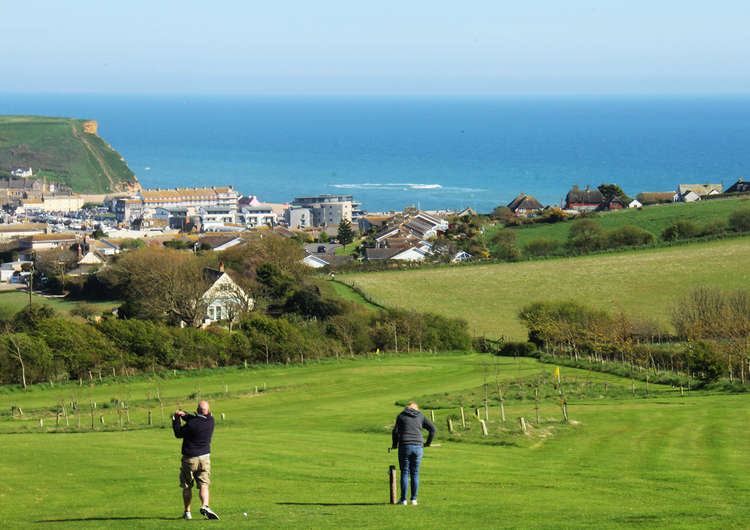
point(400, 186)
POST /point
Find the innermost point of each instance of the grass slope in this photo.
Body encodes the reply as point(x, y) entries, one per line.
point(651, 218)
point(59, 149)
point(310, 453)
point(640, 283)
point(13, 301)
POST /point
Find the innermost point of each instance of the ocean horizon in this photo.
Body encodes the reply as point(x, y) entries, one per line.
point(434, 152)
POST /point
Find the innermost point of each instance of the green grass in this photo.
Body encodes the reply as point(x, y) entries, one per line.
point(642, 283)
point(311, 453)
point(58, 149)
point(344, 291)
point(345, 250)
point(651, 218)
point(13, 301)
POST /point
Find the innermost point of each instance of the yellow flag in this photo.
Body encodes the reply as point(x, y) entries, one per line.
point(557, 373)
point(377, 351)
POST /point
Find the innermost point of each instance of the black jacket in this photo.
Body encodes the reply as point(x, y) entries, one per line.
point(408, 429)
point(196, 433)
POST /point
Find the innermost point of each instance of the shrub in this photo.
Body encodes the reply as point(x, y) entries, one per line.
point(629, 236)
point(541, 246)
point(681, 229)
point(522, 349)
point(706, 362)
point(739, 220)
point(585, 235)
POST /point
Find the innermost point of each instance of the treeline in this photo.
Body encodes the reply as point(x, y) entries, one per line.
point(713, 335)
point(290, 318)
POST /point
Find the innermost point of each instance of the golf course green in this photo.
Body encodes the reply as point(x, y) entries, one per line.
point(306, 447)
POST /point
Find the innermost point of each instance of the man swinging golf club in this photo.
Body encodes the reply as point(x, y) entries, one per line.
point(407, 438)
point(196, 461)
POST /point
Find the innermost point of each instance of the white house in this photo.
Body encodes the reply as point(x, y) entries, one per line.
point(635, 203)
point(315, 262)
point(461, 255)
point(22, 172)
point(411, 254)
point(224, 297)
point(12, 269)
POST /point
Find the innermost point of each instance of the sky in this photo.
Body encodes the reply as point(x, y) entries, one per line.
point(481, 47)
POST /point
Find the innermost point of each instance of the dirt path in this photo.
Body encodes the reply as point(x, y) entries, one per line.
point(95, 154)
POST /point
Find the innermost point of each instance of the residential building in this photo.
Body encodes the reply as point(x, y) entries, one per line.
point(583, 200)
point(48, 241)
point(255, 216)
point(525, 205)
point(298, 217)
point(739, 187)
point(145, 202)
point(225, 299)
point(216, 218)
point(22, 172)
point(701, 190)
point(327, 210)
point(16, 230)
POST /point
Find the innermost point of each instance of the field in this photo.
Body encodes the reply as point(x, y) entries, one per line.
point(310, 452)
point(59, 149)
point(643, 283)
point(651, 218)
point(13, 301)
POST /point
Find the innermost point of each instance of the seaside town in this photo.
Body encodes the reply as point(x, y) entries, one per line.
point(39, 216)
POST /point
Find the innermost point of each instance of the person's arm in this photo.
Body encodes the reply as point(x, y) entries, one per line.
point(177, 424)
point(427, 424)
point(394, 436)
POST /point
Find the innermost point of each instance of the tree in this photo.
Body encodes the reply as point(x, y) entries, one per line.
point(682, 229)
point(585, 235)
point(540, 246)
point(706, 362)
point(613, 190)
point(739, 220)
point(501, 213)
point(323, 237)
point(345, 233)
point(629, 236)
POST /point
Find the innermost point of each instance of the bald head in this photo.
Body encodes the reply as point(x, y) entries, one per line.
point(203, 407)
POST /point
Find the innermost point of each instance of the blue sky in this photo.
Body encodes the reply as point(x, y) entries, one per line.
point(379, 47)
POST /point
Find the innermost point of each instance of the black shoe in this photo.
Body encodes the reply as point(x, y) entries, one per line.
point(209, 513)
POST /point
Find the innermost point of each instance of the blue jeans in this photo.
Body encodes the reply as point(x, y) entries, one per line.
point(409, 458)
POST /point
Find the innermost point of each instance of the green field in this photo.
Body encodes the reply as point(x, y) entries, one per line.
point(59, 149)
point(310, 452)
point(651, 218)
point(13, 301)
point(641, 283)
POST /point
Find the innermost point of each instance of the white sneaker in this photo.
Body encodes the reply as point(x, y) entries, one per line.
point(208, 512)
point(403, 503)
point(187, 515)
point(413, 502)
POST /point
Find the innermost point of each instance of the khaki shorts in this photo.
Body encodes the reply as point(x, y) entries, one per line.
point(195, 467)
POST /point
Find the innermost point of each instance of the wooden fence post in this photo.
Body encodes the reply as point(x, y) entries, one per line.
point(450, 426)
point(432, 416)
point(484, 427)
point(523, 424)
point(463, 418)
point(536, 403)
point(223, 417)
point(392, 483)
point(149, 416)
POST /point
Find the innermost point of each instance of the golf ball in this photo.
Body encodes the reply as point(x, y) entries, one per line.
point(245, 514)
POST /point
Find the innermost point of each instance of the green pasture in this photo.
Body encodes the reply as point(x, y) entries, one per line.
point(59, 149)
point(310, 452)
point(13, 301)
point(651, 218)
point(644, 283)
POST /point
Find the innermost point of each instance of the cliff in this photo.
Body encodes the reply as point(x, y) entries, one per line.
point(64, 150)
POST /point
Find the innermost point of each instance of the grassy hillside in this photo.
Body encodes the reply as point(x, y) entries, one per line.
point(61, 150)
point(640, 283)
point(310, 452)
point(13, 301)
point(652, 218)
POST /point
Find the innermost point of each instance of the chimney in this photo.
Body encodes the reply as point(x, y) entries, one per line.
point(79, 251)
point(575, 187)
point(221, 266)
point(588, 187)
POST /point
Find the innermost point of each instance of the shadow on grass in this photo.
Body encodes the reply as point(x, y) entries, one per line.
point(333, 503)
point(84, 519)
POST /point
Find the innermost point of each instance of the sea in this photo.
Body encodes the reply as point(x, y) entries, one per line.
point(431, 152)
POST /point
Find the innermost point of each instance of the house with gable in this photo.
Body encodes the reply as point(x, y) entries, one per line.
point(525, 205)
point(586, 200)
point(739, 187)
point(700, 190)
point(224, 298)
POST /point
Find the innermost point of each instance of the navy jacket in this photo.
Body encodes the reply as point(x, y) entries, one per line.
point(408, 429)
point(196, 433)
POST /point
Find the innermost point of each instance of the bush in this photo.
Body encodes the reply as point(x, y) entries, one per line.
point(585, 235)
point(739, 220)
point(681, 229)
point(541, 246)
point(522, 349)
point(706, 362)
point(629, 236)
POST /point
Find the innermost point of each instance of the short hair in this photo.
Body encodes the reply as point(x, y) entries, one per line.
point(412, 405)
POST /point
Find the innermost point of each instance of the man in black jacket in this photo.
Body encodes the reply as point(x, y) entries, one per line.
point(196, 455)
point(407, 437)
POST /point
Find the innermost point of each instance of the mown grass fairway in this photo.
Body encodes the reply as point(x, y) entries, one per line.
point(310, 452)
point(639, 283)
